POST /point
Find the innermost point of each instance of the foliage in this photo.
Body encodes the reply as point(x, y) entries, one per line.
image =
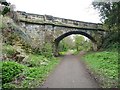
point(6, 7)
point(111, 41)
point(109, 12)
point(8, 86)
point(47, 50)
point(5, 11)
point(63, 46)
point(36, 75)
point(9, 70)
point(32, 71)
point(66, 44)
point(8, 50)
point(77, 44)
point(33, 75)
point(29, 72)
point(36, 60)
point(62, 53)
point(82, 44)
point(105, 64)
point(79, 40)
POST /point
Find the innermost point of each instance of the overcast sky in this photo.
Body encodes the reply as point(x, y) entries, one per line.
point(70, 9)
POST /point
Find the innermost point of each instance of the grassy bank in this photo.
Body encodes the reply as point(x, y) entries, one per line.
point(29, 72)
point(25, 62)
point(105, 66)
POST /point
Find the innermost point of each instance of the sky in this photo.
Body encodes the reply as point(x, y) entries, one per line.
point(70, 9)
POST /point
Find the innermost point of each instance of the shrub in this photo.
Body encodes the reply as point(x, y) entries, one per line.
point(10, 70)
point(8, 49)
point(47, 50)
point(36, 60)
point(8, 86)
point(111, 41)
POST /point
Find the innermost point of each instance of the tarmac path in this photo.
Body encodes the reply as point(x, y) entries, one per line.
point(70, 73)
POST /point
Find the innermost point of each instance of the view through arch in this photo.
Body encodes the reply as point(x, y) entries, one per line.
point(58, 39)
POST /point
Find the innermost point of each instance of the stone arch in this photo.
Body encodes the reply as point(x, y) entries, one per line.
point(58, 39)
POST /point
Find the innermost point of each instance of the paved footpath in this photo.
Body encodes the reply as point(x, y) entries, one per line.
point(70, 73)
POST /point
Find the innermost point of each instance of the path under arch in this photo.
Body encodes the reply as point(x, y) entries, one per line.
point(58, 39)
point(70, 73)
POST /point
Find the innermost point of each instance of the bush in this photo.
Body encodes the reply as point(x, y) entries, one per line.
point(10, 70)
point(36, 60)
point(47, 50)
point(111, 41)
point(8, 86)
point(8, 50)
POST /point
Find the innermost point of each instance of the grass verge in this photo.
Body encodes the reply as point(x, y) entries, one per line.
point(105, 66)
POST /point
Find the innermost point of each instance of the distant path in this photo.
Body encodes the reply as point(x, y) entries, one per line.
point(70, 73)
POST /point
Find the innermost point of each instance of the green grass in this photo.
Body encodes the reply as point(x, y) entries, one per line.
point(62, 53)
point(73, 51)
point(34, 72)
point(10, 69)
point(36, 75)
point(104, 64)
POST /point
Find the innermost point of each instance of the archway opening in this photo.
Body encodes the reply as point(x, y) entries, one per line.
point(87, 40)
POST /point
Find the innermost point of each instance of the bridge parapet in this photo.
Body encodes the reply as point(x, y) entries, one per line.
point(50, 20)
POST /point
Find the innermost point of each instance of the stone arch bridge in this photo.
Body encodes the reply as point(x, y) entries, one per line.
point(53, 29)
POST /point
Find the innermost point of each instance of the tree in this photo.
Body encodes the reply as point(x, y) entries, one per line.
point(88, 45)
point(4, 7)
point(7, 9)
point(79, 40)
point(110, 13)
point(66, 44)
